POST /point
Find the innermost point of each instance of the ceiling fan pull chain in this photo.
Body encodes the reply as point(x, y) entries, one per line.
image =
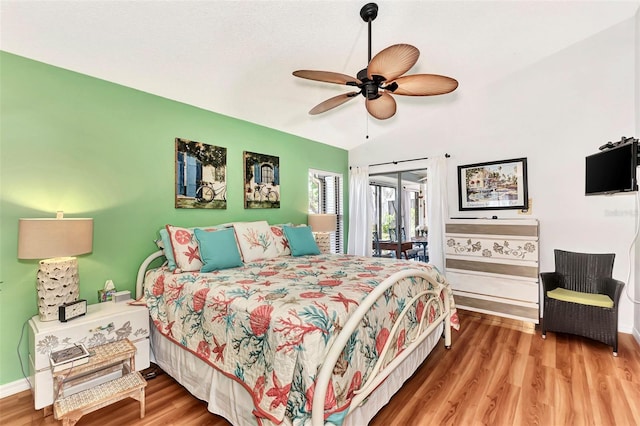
point(366, 116)
point(366, 125)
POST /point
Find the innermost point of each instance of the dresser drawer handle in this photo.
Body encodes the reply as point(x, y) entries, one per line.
point(109, 326)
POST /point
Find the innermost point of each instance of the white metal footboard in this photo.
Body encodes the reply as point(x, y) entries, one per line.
point(378, 375)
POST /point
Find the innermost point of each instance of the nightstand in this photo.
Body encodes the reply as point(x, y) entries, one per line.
point(104, 323)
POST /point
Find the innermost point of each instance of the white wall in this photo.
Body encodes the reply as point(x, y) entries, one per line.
point(554, 112)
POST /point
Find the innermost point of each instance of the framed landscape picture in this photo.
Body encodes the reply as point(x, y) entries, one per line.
point(495, 185)
point(261, 181)
point(201, 175)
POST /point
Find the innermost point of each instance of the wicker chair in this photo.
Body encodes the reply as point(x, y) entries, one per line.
point(581, 276)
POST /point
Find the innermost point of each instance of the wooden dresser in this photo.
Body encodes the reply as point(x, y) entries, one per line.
point(493, 266)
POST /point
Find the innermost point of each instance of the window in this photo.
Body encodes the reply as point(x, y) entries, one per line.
point(326, 196)
point(266, 173)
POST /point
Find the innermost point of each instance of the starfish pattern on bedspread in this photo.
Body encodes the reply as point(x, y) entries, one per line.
point(271, 331)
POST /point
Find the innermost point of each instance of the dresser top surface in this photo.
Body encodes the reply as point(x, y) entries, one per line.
point(94, 313)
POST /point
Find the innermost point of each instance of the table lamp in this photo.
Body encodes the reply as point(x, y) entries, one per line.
point(322, 225)
point(55, 241)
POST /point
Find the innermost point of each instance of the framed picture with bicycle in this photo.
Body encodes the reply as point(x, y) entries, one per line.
point(261, 181)
point(201, 175)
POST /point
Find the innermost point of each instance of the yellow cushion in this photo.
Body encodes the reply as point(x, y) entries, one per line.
point(591, 299)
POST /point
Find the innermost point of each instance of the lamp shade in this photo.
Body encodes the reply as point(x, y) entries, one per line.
point(47, 238)
point(322, 222)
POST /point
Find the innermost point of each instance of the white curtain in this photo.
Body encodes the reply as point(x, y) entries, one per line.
point(360, 210)
point(406, 214)
point(437, 210)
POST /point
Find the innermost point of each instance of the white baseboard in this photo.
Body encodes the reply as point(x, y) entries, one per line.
point(12, 388)
point(636, 335)
point(625, 328)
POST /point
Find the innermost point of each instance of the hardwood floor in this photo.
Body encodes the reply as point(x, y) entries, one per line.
point(497, 373)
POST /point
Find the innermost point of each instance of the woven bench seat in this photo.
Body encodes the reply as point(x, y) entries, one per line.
point(71, 408)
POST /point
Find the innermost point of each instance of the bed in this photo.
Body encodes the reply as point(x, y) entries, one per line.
point(292, 338)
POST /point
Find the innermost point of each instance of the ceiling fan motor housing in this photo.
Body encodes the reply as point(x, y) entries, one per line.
point(369, 88)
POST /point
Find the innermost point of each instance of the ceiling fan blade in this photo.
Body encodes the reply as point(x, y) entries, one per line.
point(393, 61)
point(327, 77)
point(424, 85)
point(332, 103)
point(383, 107)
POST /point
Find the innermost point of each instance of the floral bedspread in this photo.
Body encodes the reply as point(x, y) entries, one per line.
point(270, 323)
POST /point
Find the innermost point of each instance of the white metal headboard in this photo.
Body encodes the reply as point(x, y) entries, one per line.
point(143, 269)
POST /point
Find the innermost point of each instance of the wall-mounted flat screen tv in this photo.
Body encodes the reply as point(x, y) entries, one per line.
point(612, 170)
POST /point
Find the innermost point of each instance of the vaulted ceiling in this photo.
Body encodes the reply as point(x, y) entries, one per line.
point(236, 57)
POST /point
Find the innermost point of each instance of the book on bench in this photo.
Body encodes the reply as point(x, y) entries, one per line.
point(69, 357)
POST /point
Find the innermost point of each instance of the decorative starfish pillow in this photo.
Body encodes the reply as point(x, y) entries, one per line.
point(185, 248)
point(282, 244)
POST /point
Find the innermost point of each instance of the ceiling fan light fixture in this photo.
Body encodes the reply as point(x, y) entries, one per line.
point(383, 75)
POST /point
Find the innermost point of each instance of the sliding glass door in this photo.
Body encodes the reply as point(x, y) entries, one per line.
point(384, 209)
point(399, 204)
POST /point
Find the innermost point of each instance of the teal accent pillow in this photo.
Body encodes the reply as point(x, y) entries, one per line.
point(166, 248)
point(301, 240)
point(218, 249)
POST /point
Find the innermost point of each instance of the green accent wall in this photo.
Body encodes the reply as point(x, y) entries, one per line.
point(96, 149)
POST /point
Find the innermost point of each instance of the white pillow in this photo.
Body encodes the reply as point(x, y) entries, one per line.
point(256, 240)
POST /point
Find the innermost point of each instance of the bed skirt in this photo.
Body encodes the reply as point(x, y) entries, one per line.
point(227, 398)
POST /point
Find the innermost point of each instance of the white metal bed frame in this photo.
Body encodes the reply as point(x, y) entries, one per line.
point(378, 374)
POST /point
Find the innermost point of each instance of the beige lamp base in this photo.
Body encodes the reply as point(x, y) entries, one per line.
point(57, 284)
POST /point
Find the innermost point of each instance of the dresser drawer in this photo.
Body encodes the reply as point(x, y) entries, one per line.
point(103, 323)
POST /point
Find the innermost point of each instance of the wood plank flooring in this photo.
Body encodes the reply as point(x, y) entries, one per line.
point(497, 373)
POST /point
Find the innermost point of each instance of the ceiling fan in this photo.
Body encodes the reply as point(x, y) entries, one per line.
point(381, 78)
